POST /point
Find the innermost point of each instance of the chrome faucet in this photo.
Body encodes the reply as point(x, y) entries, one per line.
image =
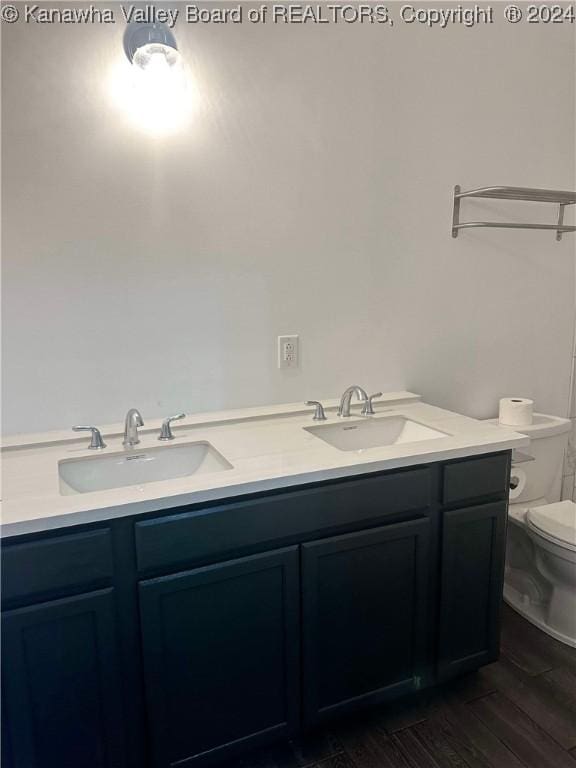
point(344, 409)
point(133, 421)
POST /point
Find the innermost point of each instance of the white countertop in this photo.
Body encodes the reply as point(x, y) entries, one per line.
point(267, 447)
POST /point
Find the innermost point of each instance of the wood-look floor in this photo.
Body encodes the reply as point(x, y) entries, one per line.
point(519, 712)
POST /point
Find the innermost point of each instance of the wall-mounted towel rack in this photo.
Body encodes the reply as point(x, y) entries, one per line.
point(562, 199)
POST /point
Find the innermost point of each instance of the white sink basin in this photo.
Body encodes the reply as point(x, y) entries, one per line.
point(118, 470)
point(374, 433)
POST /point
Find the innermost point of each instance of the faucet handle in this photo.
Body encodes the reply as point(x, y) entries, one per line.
point(96, 441)
point(319, 414)
point(368, 408)
point(166, 432)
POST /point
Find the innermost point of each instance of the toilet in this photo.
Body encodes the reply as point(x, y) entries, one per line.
point(540, 572)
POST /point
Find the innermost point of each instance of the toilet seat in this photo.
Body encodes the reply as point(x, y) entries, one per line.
point(555, 522)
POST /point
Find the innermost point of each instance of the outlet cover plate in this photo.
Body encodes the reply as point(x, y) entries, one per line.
point(288, 352)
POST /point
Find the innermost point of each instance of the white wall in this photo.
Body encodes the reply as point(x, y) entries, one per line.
point(311, 195)
point(569, 469)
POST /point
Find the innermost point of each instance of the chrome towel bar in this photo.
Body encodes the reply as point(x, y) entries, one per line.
point(561, 198)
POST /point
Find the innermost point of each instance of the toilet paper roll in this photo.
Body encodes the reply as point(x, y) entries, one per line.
point(515, 411)
point(518, 482)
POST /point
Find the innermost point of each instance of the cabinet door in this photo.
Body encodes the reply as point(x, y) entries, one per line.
point(472, 572)
point(221, 656)
point(61, 684)
point(364, 617)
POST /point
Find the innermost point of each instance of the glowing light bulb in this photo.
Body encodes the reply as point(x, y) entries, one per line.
point(157, 60)
point(161, 93)
point(157, 93)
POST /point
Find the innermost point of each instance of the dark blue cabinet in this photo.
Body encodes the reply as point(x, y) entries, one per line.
point(365, 614)
point(62, 684)
point(221, 656)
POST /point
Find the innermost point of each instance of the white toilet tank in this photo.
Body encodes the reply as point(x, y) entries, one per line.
point(548, 440)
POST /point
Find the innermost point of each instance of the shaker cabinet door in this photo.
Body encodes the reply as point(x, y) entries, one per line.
point(473, 546)
point(221, 657)
point(364, 617)
point(61, 684)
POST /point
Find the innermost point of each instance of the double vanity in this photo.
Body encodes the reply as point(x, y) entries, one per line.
point(176, 602)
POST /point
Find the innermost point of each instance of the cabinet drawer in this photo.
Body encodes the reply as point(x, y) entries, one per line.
point(42, 568)
point(476, 478)
point(205, 534)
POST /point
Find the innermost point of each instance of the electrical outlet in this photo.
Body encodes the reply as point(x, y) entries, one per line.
point(288, 352)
